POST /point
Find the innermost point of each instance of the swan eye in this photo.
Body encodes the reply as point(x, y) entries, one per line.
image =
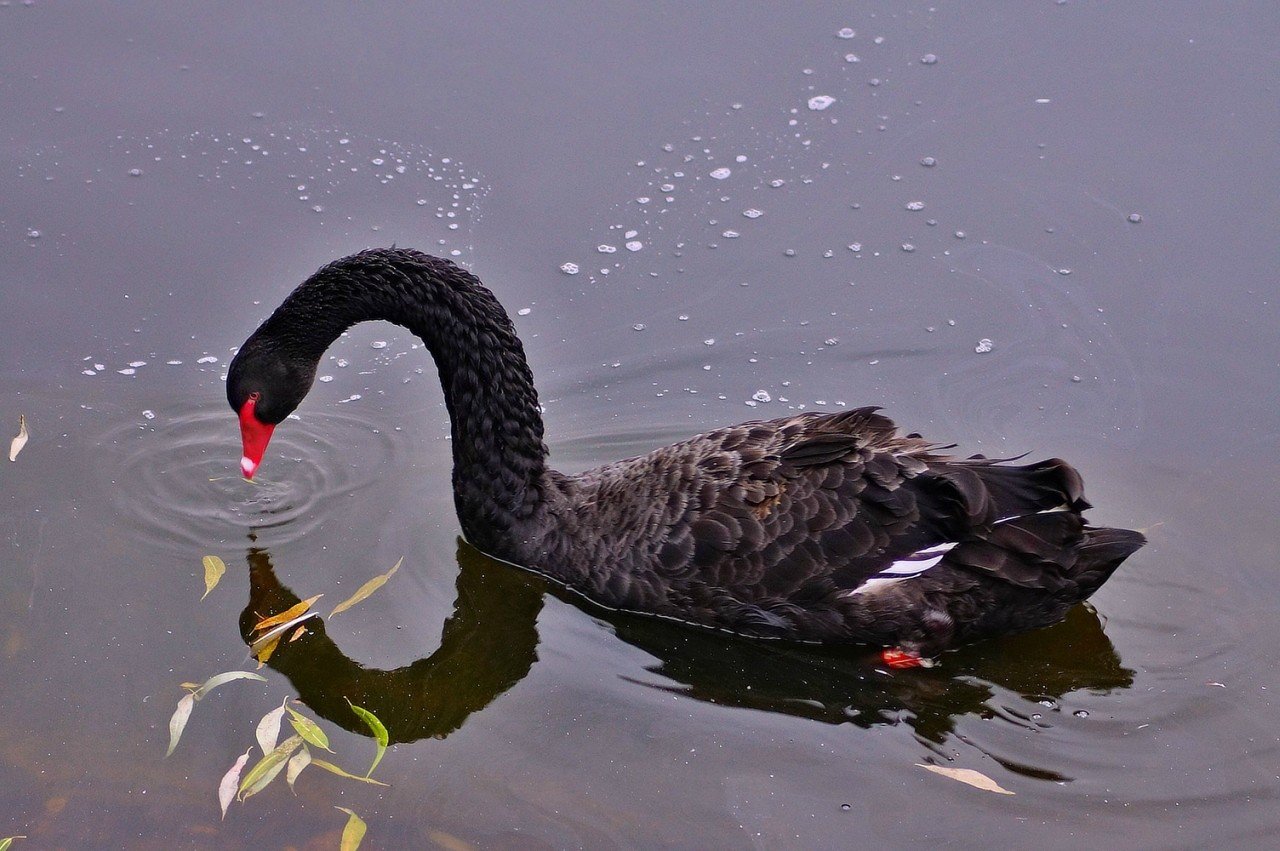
point(255, 395)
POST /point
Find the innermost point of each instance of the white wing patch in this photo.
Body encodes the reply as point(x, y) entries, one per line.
point(904, 568)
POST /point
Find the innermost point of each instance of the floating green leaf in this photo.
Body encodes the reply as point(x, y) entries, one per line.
point(309, 730)
point(353, 833)
point(7, 842)
point(363, 592)
point(268, 731)
point(268, 768)
point(287, 615)
point(976, 779)
point(333, 769)
point(380, 734)
point(214, 567)
point(15, 446)
point(227, 788)
point(222, 679)
point(178, 721)
point(297, 763)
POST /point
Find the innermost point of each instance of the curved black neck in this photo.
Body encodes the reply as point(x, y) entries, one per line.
point(499, 457)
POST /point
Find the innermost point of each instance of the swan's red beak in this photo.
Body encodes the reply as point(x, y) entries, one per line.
point(254, 435)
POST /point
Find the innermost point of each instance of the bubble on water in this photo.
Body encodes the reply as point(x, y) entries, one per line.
point(631, 234)
point(753, 213)
point(354, 397)
point(149, 414)
point(984, 345)
point(342, 363)
point(325, 378)
point(908, 247)
point(855, 246)
point(524, 311)
point(960, 234)
point(846, 807)
point(878, 39)
point(928, 59)
point(928, 162)
point(789, 252)
point(87, 372)
point(1081, 713)
point(316, 208)
point(1135, 217)
point(820, 102)
point(137, 363)
point(762, 396)
point(851, 57)
point(569, 268)
point(915, 205)
point(1075, 379)
point(635, 245)
point(639, 326)
point(129, 371)
point(606, 249)
point(777, 182)
point(421, 202)
point(730, 234)
point(845, 32)
point(174, 362)
point(721, 173)
point(832, 341)
point(710, 341)
point(377, 161)
point(1063, 271)
point(378, 344)
point(207, 359)
point(135, 172)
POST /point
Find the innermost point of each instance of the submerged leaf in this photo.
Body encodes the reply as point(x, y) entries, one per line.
point(380, 734)
point(297, 763)
point(268, 731)
point(287, 615)
point(15, 446)
point(268, 768)
point(309, 730)
point(363, 592)
point(976, 779)
point(222, 679)
point(227, 788)
point(333, 769)
point(353, 833)
point(178, 721)
point(214, 567)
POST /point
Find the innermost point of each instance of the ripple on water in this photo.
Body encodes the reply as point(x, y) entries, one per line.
point(178, 484)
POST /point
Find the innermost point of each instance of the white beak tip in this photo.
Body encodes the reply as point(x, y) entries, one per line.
point(247, 467)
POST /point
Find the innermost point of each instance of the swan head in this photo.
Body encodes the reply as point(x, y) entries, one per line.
point(264, 387)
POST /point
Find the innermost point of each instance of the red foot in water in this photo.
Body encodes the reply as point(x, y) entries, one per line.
point(895, 658)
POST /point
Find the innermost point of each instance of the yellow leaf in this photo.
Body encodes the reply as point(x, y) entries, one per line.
point(263, 652)
point(353, 833)
point(7, 842)
point(268, 768)
point(297, 763)
point(287, 615)
point(366, 589)
point(214, 567)
point(333, 769)
point(15, 446)
point(976, 779)
point(308, 730)
point(298, 633)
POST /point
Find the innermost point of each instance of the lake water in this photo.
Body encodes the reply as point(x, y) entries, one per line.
point(1043, 228)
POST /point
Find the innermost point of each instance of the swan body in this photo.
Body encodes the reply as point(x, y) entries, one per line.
point(819, 527)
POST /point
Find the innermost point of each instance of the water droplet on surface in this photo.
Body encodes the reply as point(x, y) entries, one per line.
point(639, 326)
point(915, 205)
point(135, 172)
point(730, 234)
point(928, 162)
point(129, 371)
point(33, 234)
point(753, 213)
point(710, 341)
point(378, 344)
point(762, 396)
point(855, 246)
point(635, 245)
point(790, 252)
point(851, 57)
point(721, 173)
point(606, 249)
point(207, 359)
point(1064, 271)
point(1135, 217)
point(908, 247)
point(820, 102)
point(325, 378)
point(524, 311)
point(1081, 713)
point(149, 414)
point(1076, 379)
point(776, 182)
point(845, 32)
point(569, 268)
point(960, 234)
point(928, 59)
point(984, 345)
point(846, 807)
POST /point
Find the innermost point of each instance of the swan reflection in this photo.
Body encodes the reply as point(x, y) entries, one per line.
point(489, 643)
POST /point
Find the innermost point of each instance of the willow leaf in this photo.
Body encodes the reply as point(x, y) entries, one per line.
point(353, 833)
point(333, 769)
point(15, 446)
point(7, 842)
point(268, 768)
point(287, 615)
point(178, 721)
point(380, 734)
point(268, 731)
point(976, 779)
point(297, 763)
point(214, 568)
point(227, 788)
point(363, 592)
point(224, 678)
point(309, 730)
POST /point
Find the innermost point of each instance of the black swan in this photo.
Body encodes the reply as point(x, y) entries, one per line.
point(816, 527)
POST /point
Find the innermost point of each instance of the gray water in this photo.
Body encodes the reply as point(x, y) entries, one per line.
point(1098, 192)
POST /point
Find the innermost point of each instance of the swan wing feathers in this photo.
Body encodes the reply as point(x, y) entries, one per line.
point(817, 507)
